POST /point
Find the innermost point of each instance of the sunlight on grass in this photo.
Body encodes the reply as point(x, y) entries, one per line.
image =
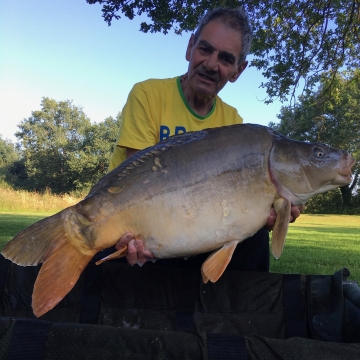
point(321, 244)
point(25, 201)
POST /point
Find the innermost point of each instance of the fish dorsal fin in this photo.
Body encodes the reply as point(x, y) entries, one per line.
point(282, 208)
point(216, 263)
point(117, 254)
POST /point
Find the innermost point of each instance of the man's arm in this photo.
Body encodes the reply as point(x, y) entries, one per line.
point(130, 152)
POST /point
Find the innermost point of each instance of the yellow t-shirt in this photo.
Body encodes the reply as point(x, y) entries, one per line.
point(157, 109)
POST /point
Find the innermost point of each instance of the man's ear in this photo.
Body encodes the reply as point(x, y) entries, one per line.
point(189, 47)
point(240, 68)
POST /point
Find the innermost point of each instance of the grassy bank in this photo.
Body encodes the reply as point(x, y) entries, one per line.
point(25, 201)
point(316, 244)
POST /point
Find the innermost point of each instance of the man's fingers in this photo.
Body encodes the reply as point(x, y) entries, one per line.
point(124, 240)
point(148, 254)
point(136, 252)
point(131, 256)
point(295, 212)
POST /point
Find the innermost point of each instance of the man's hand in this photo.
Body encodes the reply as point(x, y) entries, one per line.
point(294, 214)
point(136, 253)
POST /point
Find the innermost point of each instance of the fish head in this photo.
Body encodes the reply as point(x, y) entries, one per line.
point(301, 170)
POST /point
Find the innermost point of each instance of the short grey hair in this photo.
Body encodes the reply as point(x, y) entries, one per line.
point(235, 19)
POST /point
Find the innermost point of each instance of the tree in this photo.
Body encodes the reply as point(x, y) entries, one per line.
point(92, 161)
point(8, 152)
point(62, 150)
point(48, 138)
point(293, 40)
point(332, 118)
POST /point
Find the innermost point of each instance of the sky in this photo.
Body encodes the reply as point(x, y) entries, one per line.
point(64, 50)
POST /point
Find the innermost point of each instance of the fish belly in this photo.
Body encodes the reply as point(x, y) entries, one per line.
point(204, 216)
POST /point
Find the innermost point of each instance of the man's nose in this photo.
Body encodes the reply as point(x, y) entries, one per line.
point(211, 62)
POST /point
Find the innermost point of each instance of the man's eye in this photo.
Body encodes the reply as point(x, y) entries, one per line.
point(227, 60)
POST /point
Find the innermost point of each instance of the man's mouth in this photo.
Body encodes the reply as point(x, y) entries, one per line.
point(206, 77)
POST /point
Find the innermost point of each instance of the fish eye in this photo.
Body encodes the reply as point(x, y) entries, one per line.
point(319, 153)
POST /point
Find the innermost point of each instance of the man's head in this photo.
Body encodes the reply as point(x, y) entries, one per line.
point(235, 19)
point(217, 51)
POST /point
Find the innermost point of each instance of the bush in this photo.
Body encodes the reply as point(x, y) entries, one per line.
point(331, 203)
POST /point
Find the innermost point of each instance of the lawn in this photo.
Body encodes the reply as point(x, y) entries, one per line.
point(321, 244)
point(316, 244)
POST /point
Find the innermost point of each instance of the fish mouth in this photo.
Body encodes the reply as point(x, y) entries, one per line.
point(345, 174)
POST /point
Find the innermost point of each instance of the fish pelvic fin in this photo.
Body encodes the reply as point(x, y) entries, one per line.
point(282, 208)
point(216, 263)
point(57, 276)
point(117, 254)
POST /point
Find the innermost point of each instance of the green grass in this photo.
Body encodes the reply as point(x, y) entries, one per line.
point(12, 223)
point(315, 244)
point(321, 244)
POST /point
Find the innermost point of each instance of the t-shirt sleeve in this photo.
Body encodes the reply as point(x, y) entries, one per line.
point(238, 119)
point(137, 128)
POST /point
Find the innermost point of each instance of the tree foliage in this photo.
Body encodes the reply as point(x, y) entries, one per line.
point(332, 118)
point(8, 153)
point(61, 149)
point(91, 162)
point(294, 41)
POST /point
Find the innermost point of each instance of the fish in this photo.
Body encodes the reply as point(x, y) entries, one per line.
point(193, 193)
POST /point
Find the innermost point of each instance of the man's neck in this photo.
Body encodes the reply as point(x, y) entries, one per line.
point(199, 103)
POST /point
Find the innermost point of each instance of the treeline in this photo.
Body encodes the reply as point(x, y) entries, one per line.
point(58, 149)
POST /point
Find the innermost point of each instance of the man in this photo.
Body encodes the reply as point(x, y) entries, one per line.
point(157, 109)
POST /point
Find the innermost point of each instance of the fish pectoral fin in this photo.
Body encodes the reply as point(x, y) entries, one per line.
point(117, 254)
point(216, 263)
point(57, 276)
point(282, 208)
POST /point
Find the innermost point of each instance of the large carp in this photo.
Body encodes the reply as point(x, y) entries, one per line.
point(190, 194)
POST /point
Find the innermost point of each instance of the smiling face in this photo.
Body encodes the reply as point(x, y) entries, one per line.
point(214, 58)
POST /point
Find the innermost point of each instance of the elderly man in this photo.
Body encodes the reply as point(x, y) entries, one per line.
point(157, 109)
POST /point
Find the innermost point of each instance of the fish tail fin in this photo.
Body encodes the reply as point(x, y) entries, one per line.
point(32, 245)
point(282, 208)
point(47, 241)
point(216, 263)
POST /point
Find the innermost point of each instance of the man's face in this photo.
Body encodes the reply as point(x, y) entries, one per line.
point(213, 59)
